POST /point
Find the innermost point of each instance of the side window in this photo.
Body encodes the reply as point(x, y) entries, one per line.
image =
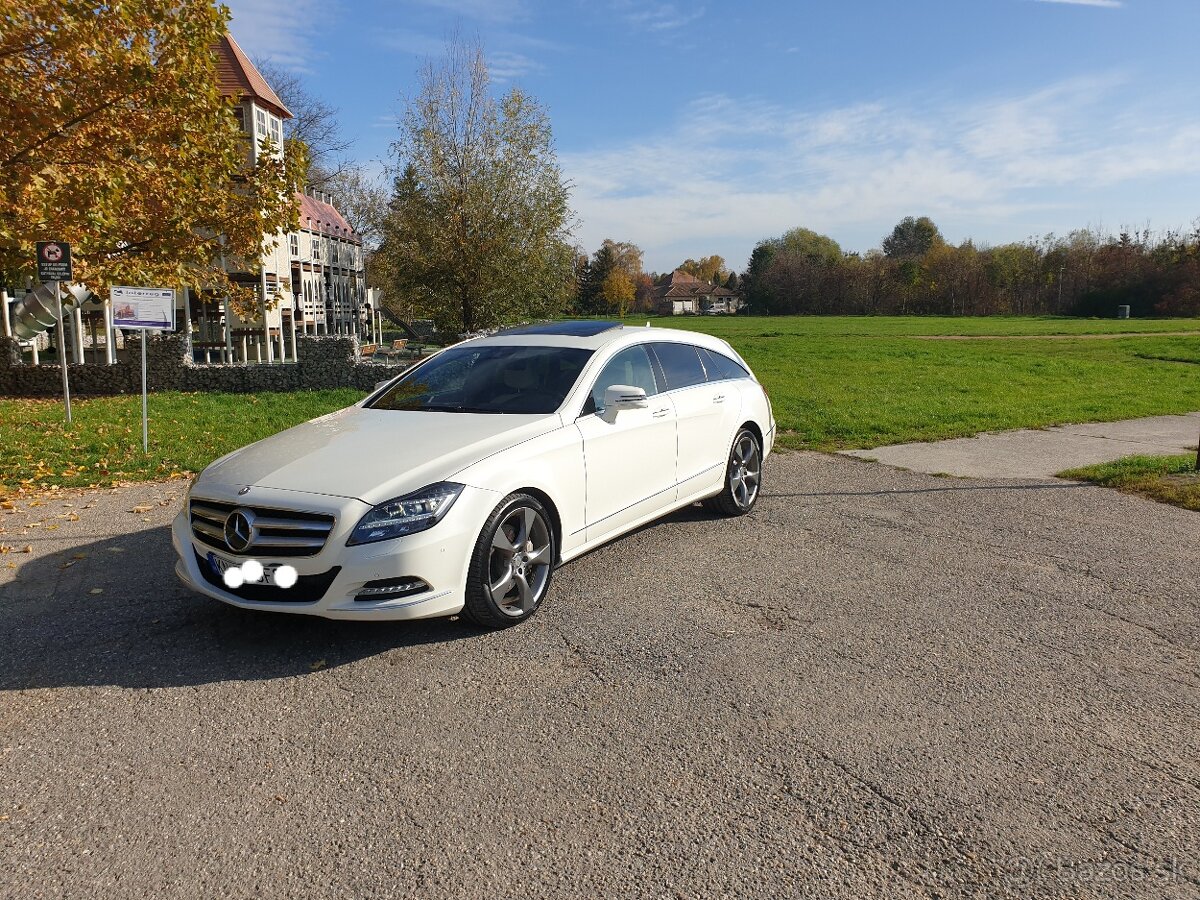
point(631, 367)
point(680, 364)
point(721, 367)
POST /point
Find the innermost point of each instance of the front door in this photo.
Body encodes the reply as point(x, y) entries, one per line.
point(629, 456)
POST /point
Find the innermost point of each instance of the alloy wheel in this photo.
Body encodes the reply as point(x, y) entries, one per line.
point(745, 473)
point(519, 563)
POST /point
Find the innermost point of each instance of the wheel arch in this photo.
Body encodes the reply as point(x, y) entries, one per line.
point(555, 519)
point(752, 426)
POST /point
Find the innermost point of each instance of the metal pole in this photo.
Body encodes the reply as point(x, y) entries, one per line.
point(6, 315)
point(110, 344)
point(145, 421)
point(262, 309)
point(228, 320)
point(77, 335)
point(62, 354)
point(187, 321)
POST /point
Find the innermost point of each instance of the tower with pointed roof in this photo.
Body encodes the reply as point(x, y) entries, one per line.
point(318, 269)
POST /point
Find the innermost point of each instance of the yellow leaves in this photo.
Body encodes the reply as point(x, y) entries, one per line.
point(127, 94)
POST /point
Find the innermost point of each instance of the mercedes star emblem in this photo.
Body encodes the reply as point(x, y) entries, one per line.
point(239, 530)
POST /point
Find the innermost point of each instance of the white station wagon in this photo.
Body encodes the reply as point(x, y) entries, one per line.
point(460, 485)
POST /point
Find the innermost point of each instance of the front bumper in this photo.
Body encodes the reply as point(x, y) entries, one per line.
point(331, 579)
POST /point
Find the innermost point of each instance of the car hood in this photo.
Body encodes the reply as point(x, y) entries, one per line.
point(373, 454)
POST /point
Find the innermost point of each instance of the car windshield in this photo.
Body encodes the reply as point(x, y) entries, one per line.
point(488, 379)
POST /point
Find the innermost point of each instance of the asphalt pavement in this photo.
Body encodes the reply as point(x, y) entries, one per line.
point(880, 684)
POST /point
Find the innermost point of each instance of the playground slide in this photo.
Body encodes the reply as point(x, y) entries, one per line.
point(36, 311)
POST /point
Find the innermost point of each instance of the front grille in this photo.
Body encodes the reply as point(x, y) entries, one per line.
point(276, 532)
point(307, 589)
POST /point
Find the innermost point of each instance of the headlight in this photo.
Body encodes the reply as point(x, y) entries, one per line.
point(406, 515)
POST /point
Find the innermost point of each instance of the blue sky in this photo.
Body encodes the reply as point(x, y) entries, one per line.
point(699, 128)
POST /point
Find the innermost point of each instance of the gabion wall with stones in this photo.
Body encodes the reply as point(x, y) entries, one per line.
point(325, 362)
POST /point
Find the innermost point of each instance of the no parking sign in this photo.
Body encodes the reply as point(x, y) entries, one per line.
point(53, 261)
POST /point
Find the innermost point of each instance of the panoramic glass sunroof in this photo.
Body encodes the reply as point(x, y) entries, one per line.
point(583, 328)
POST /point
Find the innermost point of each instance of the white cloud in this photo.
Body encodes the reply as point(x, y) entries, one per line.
point(283, 31)
point(732, 171)
point(656, 16)
point(1105, 4)
point(507, 65)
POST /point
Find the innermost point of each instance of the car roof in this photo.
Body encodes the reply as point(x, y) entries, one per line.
point(570, 327)
point(560, 334)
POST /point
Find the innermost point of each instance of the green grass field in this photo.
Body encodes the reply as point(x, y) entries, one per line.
point(839, 382)
point(104, 444)
point(835, 382)
point(1167, 479)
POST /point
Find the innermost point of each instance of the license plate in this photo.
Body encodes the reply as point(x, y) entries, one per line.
point(220, 565)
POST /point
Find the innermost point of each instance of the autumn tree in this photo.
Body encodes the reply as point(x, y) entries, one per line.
point(362, 197)
point(594, 293)
point(627, 257)
point(707, 268)
point(125, 147)
point(618, 292)
point(478, 231)
point(911, 238)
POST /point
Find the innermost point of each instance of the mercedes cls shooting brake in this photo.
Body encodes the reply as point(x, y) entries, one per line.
point(461, 484)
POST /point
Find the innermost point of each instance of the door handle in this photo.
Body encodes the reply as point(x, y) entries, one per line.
point(659, 413)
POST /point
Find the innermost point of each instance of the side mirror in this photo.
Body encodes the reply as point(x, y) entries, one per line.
point(623, 396)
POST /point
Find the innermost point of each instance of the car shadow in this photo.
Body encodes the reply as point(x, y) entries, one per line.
point(112, 613)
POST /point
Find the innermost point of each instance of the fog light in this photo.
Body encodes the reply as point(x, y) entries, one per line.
point(390, 588)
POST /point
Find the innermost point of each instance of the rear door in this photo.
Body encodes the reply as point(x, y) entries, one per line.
point(699, 413)
point(629, 456)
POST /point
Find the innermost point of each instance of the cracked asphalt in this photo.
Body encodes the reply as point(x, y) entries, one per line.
point(880, 684)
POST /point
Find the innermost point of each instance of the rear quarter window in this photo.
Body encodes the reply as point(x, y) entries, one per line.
point(721, 367)
point(680, 364)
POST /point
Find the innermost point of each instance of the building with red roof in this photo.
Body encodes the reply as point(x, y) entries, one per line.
point(684, 294)
point(315, 273)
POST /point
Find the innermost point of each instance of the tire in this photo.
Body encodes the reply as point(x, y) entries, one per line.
point(743, 477)
point(512, 564)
